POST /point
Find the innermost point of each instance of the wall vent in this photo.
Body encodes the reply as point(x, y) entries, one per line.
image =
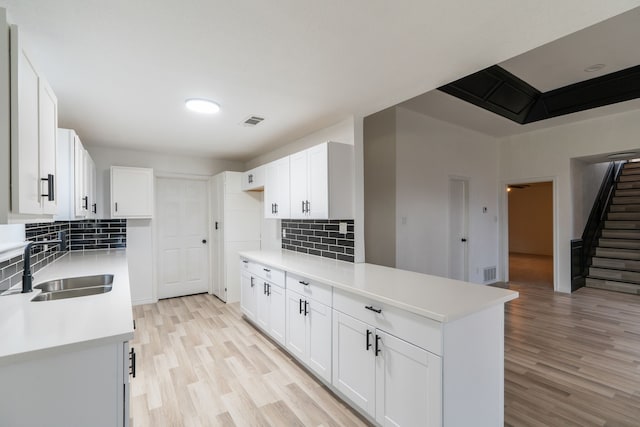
point(252, 120)
point(489, 274)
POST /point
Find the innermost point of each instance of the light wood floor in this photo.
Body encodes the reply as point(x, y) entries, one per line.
point(570, 360)
point(527, 269)
point(200, 364)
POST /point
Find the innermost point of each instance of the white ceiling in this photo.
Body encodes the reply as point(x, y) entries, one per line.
point(122, 69)
point(613, 42)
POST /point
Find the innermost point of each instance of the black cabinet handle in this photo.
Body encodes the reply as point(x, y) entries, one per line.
point(132, 359)
point(134, 324)
point(267, 270)
point(300, 306)
point(368, 337)
point(463, 240)
point(250, 178)
point(308, 206)
point(273, 208)
point(116, 206)
point(50, 188)
point(264, 288)
point(306, 308)
point(268, 289)
point(85, 203)
point(378, 339)
point(304, 283)
point(216, 225)
point(95, 208)
point(252, 284)
point(303, 211)
point(245, 261)
point(276, 208)
point(372, 308)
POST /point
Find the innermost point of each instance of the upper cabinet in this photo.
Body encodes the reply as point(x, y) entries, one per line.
point(276, 189)
point(253, 179)
point(321, 180)
point(34, 123)
point(131, 192)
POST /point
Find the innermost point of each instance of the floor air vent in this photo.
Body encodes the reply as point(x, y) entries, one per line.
point(252, 120)
point(489, 274)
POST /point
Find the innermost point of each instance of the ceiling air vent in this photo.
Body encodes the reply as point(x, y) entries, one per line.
point(252, 120)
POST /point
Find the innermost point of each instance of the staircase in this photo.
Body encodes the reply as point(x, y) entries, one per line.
point(616, 263)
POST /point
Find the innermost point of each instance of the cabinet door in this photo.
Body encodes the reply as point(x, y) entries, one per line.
point(94, 189)
point(86, 177)
point(270, 189)
point(298, 173)
point(319, 339)
point(79, 165)
point(318, 179)
point(131, 192)
point(48, 130)
point(408, 384)
point(354, 365)
point(277, 315)
point(276, 189)
point(263, 310)
point(248, 295)
point(296, 325)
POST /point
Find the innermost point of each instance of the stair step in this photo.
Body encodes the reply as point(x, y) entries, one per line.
point(631, 165)
point(616, 264)
point(621, 234)
point(630, 171)
point(622, 225)
point(625, 208)
point(627, 185)
point(612, 285)
point(624, 216)
point(629, 254)
point(618, 243)
point(629, 178)
point(617, 275)
point(627, 192)
point(625, 200)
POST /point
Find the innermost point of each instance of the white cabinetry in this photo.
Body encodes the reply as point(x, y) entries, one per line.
point(131, 192)
point(94, 381)
point(34, 123)
point(321, 179)
point(253, 179)
point(248, 291)
point(308, 318)
point(236, 219)
point(276, 189)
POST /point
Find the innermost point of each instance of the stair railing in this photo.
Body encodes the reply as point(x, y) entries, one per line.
point(583, 250)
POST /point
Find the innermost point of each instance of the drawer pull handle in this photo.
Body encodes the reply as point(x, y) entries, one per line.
point(378, 339)
point(300, 305)
point(267, 270)
point(132, 359)
point(368, 341)
point(372, 308)
point(304, 283)
point(245, 261)
point(306, 305)
point(268, 289)
point(252, 284)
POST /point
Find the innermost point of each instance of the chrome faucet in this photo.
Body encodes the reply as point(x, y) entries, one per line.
point(26, 274)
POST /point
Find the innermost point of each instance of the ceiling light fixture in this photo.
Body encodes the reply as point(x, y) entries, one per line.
point(594, 67)
point(200, 105)
point(625, 155)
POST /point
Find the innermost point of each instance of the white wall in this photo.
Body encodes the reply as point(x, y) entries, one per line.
point(586, 179)
point(429, 152)
point(547, 153)
point(140, 233)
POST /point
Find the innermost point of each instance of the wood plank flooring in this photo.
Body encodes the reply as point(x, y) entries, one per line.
point(570, 360)
point(200, 364)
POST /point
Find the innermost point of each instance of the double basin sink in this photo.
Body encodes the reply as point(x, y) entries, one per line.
point(74, 287)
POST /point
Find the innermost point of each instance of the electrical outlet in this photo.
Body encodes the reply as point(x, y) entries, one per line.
point(342, 228)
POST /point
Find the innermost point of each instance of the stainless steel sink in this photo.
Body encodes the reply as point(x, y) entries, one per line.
point(74, 287)
point(72, 293)
point(75, 283)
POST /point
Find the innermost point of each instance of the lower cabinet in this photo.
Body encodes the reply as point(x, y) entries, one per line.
point(85, 387)
point(308, 332)
point(393, 381)
point(270, 311)
point(248, 295)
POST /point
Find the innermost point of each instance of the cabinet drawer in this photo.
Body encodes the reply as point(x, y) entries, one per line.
point(309, 288)
point(418, 330)
point(273, 275)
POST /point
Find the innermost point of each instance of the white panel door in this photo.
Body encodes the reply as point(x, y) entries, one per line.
point(354, 366)
point(319, 338)
point(248, 294)
point(277, 316)
point(318, 182)
point(458, 214)
point(296, 325)
point(48, 131)
point(298, 175)
point(263, 310)
point(408, 384)
point(182, 231)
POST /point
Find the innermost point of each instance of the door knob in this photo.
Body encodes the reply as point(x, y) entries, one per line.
point(463, 240)
point(204, 240)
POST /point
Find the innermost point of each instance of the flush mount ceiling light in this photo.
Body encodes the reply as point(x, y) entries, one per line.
point(594, 67)
point(625, 155)
point(200, 105)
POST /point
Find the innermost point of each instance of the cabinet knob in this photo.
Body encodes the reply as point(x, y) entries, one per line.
point(204, 241)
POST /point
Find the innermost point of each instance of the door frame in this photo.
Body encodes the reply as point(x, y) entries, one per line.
point(503, 259)
point(467, 184)
point(154, 228)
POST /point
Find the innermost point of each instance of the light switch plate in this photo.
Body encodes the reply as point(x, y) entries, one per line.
point(342, 228)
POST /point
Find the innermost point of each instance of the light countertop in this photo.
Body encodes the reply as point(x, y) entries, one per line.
point(31, 329)
point(437, 298)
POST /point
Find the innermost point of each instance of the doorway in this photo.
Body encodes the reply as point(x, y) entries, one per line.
point(458, 223)
point(530, 234)
point(183, 254)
